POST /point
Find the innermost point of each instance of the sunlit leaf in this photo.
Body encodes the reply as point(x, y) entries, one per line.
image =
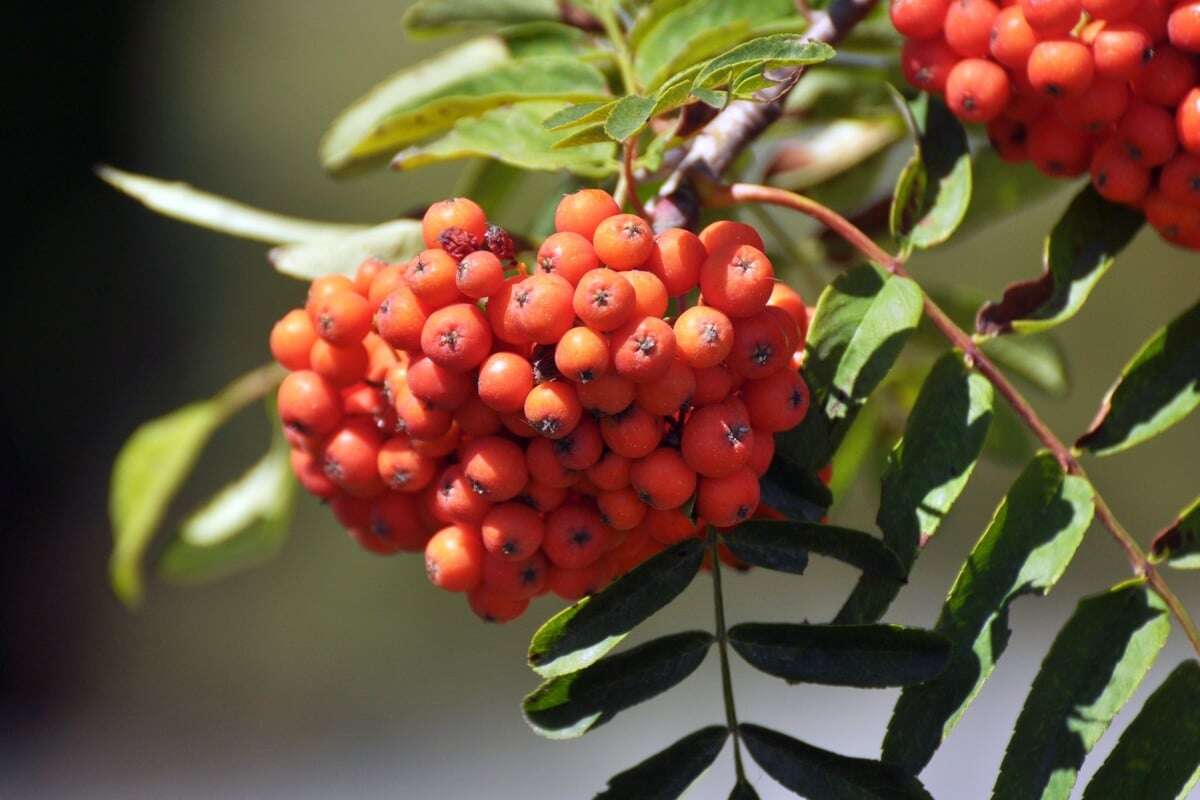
point(767, 52)
point(666, 775)
point(628, 117)
point(1179, 544)
point(390, 241)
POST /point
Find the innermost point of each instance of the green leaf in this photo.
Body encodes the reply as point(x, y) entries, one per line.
point(628, 117)
point(766, 53)
point(579, 114)
point(242, 526)
point(866, 656)
point(393, 241)
point(1157, 757)
point(1093, 668)
point(427, 99)
point(580, 634)
point(934, 189)
point(666, 775)
point(514, 135)
point(1179, 544)
point(531, 39)
point(690, 32)
point(794, 491)
point(779, 542)
point(925, 474)
point(862, 322)
point(1031, 539)
point(183, 202)
point(1079, 251)
point(1157, 389)
point(153, 464)
point(432, 17)
point(812, 772)
point(570, 705)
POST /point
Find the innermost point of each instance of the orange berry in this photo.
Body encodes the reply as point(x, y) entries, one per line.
point(380, 358)
point(607, 394)
point(309, 404)
point(351, 455)
point(544, 466)
point(968, 26)
point(388, 280)
point(610, 473)
point(663, 479)
point(1012, 38)
point(581, 355)
point(582, 211)
point(438, 386)
point(729, 500)
point(1121, 51)
point(341, 318)
point(574, 584)
point(713, 385)
point(623, 241)
point(575, 536)
point(419, 419)
point(494, 467)
point(454, 558)
point(474, 418)
point(292, 338)
point(402, 468)
point(926, 63)
point(703, 336)
point(726, 233)
point(400, 319)
point(604, 299)
point(632, 433)
point(567, 255)
point(1183, 27)
point(432, 276)
point(737, 280)
point(479, 275)
point(553, 409)
point(512, 531)
point(665, 396)
point(455, 501)
point(307, 469)
point(324, 286)
point(394, 519)
point(778, 402)
point(542, 497)
point(621, 509)
point(1188, 118)
point(1147, 132)
point(1117, 177)
point(363, 400)
point(977, 90)
point(457, 337)
point(366, 273)
point(717, 439)
point(1051, 17)
point(502, 313)
point(1061, 68)
point(643, 349)
point(1097, 109)
point(1167, 78)
point(650, 294)
point(341, 366)
point(676, 259)
point(759, 347)
point(504, 381)
point(491, 605)
point(543, 307)
point(456, 212)
point(918, 19)
point(582, 447)
point(438, 446)
point(787, 298)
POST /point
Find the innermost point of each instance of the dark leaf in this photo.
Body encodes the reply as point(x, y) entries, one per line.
point(570, 705)
point(1157, 757)
point(1094, 666)
point(743, 791)
point(666, 775)
point(1179, 545)
point(780, 542)
point(1080, 249)
point(1157, 389)
point(580, 634)
point(815, 773)
point(1031, 539)
point(768, 544)
point(794, 490)
point(925, 474)
point(866, 656)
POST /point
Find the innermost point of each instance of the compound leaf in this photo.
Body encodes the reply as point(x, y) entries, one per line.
point(764, 53)
point(934, 189)
point(780, 545)
point(666, 775)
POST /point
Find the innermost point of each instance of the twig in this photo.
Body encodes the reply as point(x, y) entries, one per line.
point(748, 193)
point(627, 190)
point(723, 648)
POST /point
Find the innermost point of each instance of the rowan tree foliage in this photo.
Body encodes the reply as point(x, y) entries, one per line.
point(621, 391)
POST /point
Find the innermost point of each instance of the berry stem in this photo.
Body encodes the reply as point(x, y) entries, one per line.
point(723, 648)
point(978, 360)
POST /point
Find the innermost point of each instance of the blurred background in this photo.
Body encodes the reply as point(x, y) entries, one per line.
point(330, 672)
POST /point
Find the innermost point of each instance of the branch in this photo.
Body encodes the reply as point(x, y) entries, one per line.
point(977, 359)
point(741, 122)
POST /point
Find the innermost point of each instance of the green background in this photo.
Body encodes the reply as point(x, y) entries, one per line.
point(331, 672)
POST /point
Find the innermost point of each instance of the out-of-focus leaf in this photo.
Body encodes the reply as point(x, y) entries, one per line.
point(926, 473)
point(1079, 251)
point(767, 52)
point(1179, 544)
point(390, 241)
point(580, 634)
point(862, 322)
point(1009, 441)
point(1157, 757)
point(766, 543)
point(866, 656)
point(1001, 189)
point(794, 490)
point(489, 183)
point(532, 39)
point(666, 775)
point(183, 202)
point(1157, 389)
point(241, 526)
point(153, 464)
point(1094, 666)
point(817, 155)
point(852, 457)
point(432, 17)
point(812, 772)
point(934, 188)
point(514, 135)
point(1026, 548)
point(570, 705)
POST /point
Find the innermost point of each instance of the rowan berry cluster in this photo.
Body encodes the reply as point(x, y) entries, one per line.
point(1110, 87)
point(546, 428)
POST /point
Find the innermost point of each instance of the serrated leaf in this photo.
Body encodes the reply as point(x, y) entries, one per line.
point(628, 117)
point(812, 772)
point(925, 474)
point(570, 705)
point(1179, 544)
point(688, 33)
point(934, 189)
point(152, 465)
point(1157, 757)
point(514, 135)
point(794, 491)
point(390, 241)
point(1157, 389)
point(1094, 666)
point(767, 52)
point(1026, 548)
point(666, 775)
point(1078, 253)
point(427, 99)
point(778, 542)
point(866, 656)
point(862, 322)
point(242, 525)
point(579, 114)
point(183, 202)
point(580, 634)
point(432, 17)
point(591, 134)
